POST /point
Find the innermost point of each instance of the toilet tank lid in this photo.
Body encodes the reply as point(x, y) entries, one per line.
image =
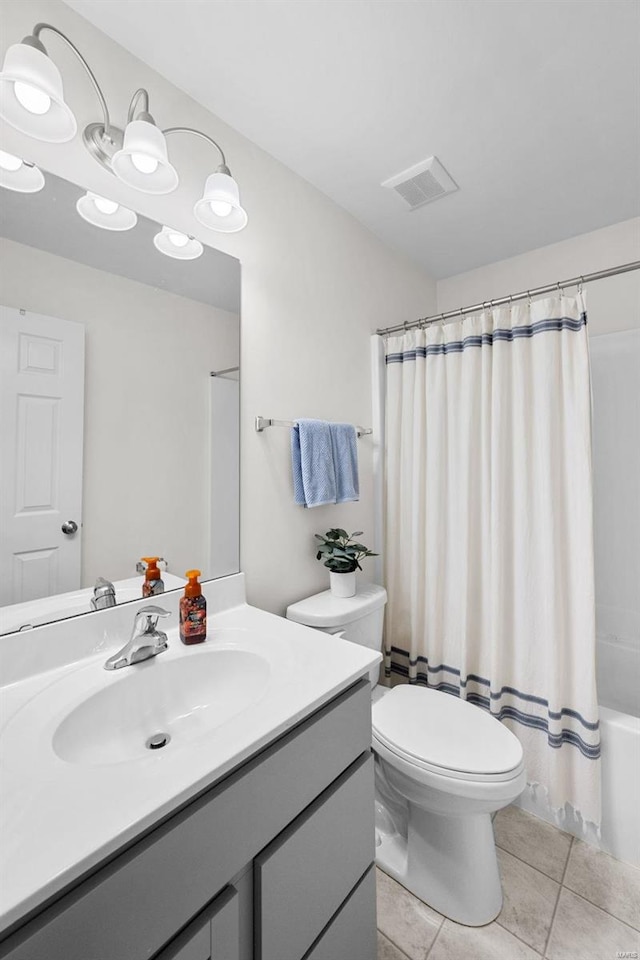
point(325, 610)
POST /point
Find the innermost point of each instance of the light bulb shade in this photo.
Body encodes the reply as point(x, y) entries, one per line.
point(120, 219)
point(27, 65)
point(27, 178)
point(143, 139)
point(221, 188)
point(189, 250)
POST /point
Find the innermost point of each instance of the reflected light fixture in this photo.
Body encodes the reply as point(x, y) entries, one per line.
point(17, 174)
point(105, 213)
point(178, 245)
point(32, 101)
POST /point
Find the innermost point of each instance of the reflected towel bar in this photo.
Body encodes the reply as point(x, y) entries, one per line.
point(262, 422)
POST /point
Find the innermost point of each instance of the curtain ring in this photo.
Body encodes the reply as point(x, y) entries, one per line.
point(529, 296)
point(580, 286)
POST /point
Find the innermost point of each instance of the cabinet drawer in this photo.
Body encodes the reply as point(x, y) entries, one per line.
point(352, 932)
point(213, 935)
point(306, 873)
point(132, 907)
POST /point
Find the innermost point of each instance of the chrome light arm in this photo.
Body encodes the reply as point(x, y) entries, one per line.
point(37, 30)
point(223, 168)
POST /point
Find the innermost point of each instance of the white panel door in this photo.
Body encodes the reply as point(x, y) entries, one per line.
point(41, 433)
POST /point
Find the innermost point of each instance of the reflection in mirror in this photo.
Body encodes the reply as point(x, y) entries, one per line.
point(117, 439)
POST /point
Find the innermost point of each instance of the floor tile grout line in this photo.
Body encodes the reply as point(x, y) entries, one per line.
point(601, 909)
point(394, 944)
point(564, 873)
point(560, 889)
point(599, 906)
point(428, 953)
point(515, 935)
point(527, 864)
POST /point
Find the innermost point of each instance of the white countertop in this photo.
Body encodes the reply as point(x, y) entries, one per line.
point(59, 819)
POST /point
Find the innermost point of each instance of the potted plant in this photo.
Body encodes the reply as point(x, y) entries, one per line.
point(342, 555)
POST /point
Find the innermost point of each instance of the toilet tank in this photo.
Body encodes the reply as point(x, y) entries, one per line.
point(359, 619)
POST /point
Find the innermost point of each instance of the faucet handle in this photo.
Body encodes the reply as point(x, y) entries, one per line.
point(152, 613)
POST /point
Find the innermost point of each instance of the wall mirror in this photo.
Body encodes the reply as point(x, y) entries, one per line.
point(119, 406)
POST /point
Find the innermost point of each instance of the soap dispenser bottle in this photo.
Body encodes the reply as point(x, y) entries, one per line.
point(153, 583)
point(193, 611)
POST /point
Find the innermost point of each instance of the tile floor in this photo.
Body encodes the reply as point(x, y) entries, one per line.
point(563, 900)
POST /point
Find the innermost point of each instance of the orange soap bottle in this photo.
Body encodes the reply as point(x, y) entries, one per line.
point(193, 611)
point(153, 582)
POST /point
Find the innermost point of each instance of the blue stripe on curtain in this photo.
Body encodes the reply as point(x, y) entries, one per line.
point(488, 339)
point(506, 711)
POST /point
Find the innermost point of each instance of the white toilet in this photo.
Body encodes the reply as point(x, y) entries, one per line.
point(443, 766)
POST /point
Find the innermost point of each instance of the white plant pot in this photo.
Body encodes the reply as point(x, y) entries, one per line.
point(343, 584)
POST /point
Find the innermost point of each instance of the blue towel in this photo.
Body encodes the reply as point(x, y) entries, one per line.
point(314, 479)
point(345, 461)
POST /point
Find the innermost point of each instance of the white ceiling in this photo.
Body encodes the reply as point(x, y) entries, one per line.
point(531, 105)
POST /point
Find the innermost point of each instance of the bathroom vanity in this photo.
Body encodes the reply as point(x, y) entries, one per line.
point(252, 837)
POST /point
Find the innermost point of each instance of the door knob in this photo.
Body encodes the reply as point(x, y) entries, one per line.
point(69, 527)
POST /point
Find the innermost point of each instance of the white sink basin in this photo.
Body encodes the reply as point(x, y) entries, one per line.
point(172, 700)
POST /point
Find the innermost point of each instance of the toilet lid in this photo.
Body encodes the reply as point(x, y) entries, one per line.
point(440, 730)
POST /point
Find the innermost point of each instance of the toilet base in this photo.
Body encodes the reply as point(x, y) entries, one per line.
point(449, 863)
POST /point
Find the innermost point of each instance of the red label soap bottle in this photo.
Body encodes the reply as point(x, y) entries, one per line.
point(193, 611)
point(153, 582)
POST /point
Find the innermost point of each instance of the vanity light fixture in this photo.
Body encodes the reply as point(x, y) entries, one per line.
point(31, 94)
point(105, 213)
point(32, 101)
point(17, 174)
point(219, 208)
point(143, 161)
point(178, 245)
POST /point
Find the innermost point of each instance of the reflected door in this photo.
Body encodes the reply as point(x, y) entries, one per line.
point(41, 433)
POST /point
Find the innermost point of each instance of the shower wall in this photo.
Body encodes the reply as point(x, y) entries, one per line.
point(615, 370)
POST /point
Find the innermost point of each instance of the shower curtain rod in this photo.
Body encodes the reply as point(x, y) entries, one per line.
point(536, 291)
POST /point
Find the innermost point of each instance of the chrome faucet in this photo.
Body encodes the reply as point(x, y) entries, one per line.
point(146, 641)
point(104, 595)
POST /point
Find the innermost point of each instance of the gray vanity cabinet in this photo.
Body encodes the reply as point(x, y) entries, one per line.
point(271, 863)
point(302, 878)
point(213, 935)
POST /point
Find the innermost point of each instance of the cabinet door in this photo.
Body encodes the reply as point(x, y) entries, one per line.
point(213, 935)
point(352, 931)
point(303, 877)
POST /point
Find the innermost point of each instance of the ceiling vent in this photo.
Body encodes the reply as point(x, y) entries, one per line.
point(422, 183)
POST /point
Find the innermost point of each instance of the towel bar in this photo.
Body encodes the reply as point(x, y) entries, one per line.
point(262, 422)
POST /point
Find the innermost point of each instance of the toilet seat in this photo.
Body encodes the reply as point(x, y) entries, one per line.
point(437, 733)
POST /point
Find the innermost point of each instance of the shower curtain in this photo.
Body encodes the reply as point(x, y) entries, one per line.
point(489, 557)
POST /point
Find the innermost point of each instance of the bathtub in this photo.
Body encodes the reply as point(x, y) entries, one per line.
point(619, 696)
point(618, 665)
